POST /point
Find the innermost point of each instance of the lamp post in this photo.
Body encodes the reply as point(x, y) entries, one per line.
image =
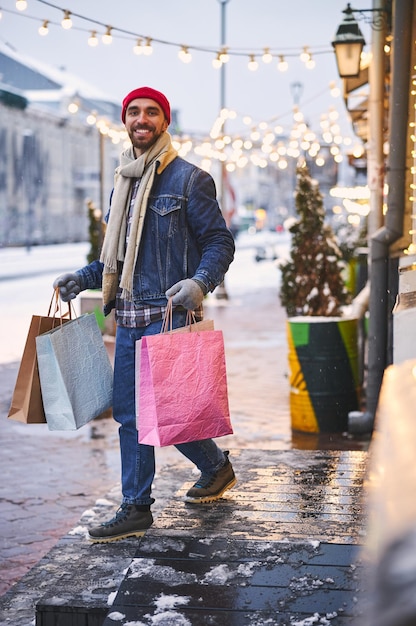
point(223, 4)
point(221, 292)
point(296, 89)
point(348, 44)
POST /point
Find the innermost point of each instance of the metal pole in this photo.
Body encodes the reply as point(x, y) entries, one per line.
point(382, 239)
point(376, 125)
point(102, 172)
point(223, 99)
point(221, 292)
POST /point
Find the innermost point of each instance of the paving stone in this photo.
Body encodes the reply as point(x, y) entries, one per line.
point(218, 560)
point(39, 468)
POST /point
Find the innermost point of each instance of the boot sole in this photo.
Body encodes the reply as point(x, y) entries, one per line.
point(136, 533)
point(207, 499)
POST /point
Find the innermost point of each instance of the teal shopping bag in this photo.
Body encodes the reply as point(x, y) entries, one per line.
point(76, 376)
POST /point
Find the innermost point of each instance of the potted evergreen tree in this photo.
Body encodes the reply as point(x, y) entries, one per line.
point(91, 299)
point(323, 354)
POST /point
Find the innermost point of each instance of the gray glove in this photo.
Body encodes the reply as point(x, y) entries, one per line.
point(186, 293)
point(69, 286)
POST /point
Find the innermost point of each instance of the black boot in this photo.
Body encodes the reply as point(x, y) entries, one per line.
point(130, 521)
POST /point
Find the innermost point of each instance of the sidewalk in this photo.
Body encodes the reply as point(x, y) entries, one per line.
point(52, 481)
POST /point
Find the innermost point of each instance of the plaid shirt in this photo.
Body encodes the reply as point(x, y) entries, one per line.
point(126, 312)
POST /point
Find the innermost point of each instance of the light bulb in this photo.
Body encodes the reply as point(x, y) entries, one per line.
point(224, 56)
point(267, 57)
point(66, 22)
point(217, 61)
point(335, 91)
point(107, 38)
point(305, 56)
point(184, 55)
point(252, 64)
point(73, 107)
point(282, 65)
point(310, 63)
point(21, 5)
point(138, 48)
point(93, 39)
point(147, 49)
point(43, 30)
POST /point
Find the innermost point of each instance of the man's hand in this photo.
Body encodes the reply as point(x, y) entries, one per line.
point(69, 286)
point(186, 293)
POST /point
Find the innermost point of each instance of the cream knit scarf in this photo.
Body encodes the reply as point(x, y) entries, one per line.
point(114, 249)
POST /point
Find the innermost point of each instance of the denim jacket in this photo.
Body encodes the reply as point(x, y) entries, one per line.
point(184, 236)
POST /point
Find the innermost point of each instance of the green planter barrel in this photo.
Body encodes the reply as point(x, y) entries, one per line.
point(324, 372)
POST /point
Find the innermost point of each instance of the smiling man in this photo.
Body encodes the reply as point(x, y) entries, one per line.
point(165, 237)
point(145, 119)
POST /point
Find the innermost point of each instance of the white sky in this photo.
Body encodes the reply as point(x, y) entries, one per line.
point(286, 26)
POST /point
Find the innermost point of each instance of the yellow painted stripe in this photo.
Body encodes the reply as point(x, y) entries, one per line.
point(302, 414)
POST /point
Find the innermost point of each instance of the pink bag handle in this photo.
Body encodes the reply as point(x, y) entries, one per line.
point(167, 325)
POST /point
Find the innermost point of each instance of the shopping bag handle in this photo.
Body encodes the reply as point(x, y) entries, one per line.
point(58, 306)
point(167, 324)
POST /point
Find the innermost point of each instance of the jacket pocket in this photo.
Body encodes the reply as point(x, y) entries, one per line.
point(165, 215)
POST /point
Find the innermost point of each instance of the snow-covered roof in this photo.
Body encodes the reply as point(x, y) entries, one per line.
point(41, 83)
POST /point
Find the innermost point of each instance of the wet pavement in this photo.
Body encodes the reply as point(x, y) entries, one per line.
point(49, 479)
point(281, 548)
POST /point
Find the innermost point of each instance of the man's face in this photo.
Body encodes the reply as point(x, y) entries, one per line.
point(145, 122)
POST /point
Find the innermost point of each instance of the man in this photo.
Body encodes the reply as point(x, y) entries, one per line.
point(165, 237)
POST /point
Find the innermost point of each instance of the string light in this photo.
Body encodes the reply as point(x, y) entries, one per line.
point(66, 21)
point(305, 55)
point(224, 56)
point(310, 63)
point(184, 55)
point(267, 53)
point(282, 66)
point(73, 107)
point(44, 30)
point(334, 90)
point(297, 115)
point(252, 64)
point(147, 48)
point(107, 38)
point(92, 119)
point(262, 144)
point(93, 39)
point(217, 63)
point(138, 48)
point(411, 250)
point(333, 114)
point(267, 57)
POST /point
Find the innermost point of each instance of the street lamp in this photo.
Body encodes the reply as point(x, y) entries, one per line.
point(349, 34)
point(221, 291)
point(348, 45)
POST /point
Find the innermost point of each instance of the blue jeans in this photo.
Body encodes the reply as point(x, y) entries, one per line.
point(138, 460)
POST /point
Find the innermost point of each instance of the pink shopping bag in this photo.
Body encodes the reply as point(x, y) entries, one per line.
point(181, 388)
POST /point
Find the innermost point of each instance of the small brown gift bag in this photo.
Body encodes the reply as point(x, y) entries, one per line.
point(27, 405)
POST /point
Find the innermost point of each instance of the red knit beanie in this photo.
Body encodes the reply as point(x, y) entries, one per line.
point(147, 92)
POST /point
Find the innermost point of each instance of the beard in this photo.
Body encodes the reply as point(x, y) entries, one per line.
point(144, 137)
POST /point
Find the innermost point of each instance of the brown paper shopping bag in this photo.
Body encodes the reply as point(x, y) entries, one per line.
point(26, 405)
